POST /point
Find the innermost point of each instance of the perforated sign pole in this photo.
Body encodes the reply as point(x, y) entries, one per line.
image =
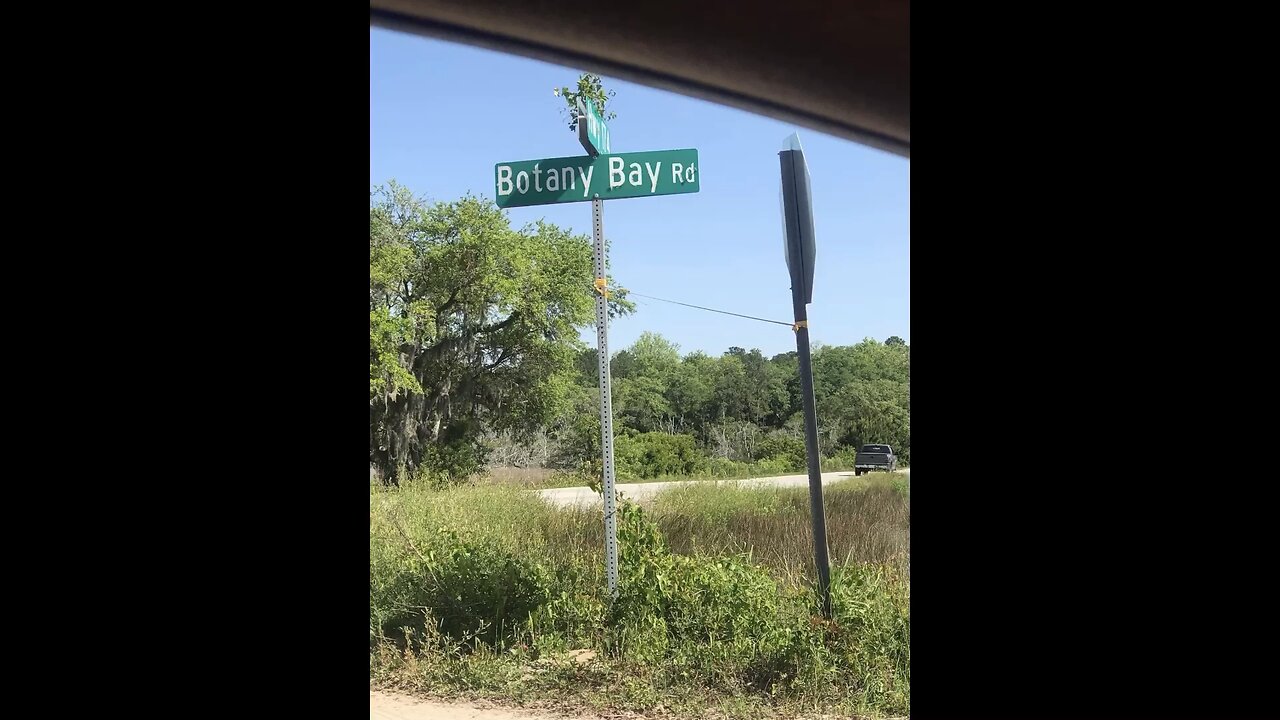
point(606, 401)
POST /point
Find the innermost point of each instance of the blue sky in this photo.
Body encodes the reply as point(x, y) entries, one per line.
point(441, 115)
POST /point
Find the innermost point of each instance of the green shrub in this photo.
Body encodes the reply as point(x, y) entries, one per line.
point(465, 588)
point(444, 465)
point(772, 466)
point(871, 607)
point(575, 615)
point(462, 562)
point(725, 468)
point(655, 454)
point(902, 485)
point(786, 449)
point(710, 616)
point(842, 459)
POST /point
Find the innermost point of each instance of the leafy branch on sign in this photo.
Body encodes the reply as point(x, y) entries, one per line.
point(589, 88)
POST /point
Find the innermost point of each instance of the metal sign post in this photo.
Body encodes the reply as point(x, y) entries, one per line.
point(606, 401)
point(598, 176)
point(594, 135)
point(797, 216)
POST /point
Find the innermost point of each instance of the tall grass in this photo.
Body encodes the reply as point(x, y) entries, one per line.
point(484, 589)
point(867, 523)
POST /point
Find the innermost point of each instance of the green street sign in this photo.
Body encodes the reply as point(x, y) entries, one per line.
point(593, 133)
point(609, 177)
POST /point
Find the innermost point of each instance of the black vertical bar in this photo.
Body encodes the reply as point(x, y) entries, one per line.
point(798, 226)
point(816, 507)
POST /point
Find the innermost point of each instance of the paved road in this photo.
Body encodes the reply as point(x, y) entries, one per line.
point(644, 491)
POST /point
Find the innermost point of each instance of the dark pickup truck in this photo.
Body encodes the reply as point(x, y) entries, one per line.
point(875, 457)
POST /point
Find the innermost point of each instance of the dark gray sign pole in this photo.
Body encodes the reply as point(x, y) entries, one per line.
point(797, 214)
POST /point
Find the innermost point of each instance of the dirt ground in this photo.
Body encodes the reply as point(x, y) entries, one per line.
point(391, 706)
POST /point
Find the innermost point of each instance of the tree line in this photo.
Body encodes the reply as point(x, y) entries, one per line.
point(475, 358)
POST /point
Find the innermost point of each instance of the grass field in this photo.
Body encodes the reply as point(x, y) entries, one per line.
point(488, 592)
